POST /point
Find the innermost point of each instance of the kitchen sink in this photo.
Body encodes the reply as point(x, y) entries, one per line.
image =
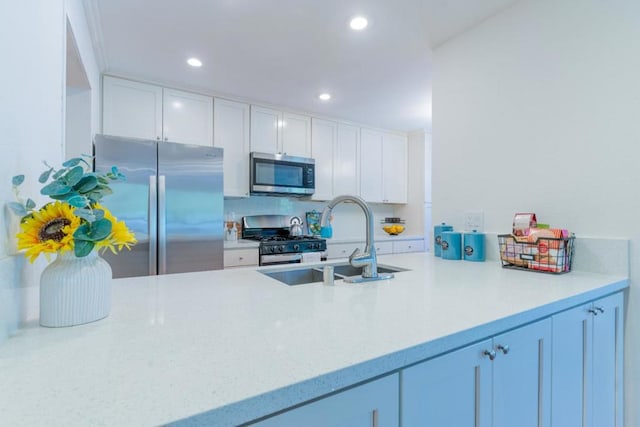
point(298, 276)
point(314, 274)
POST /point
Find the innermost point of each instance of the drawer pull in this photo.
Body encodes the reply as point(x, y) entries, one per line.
point(503, 348)
point(490, 353)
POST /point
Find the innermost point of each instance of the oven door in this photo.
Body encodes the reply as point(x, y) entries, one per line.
point(280, 259)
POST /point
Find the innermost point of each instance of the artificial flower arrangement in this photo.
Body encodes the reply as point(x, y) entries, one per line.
point(75, 220)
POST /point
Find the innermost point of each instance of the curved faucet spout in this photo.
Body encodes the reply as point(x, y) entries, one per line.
point(367, 259)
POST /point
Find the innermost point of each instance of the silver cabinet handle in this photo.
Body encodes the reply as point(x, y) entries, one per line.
point(157, 138)
point(593, 311)
point(166, 139)
point(600, 309)
point(503, 348)
point(374, 418)
point(153, 226)
point(490, 353)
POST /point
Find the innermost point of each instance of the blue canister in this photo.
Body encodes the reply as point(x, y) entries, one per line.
point(451, 245)
point(437, 235)
point(474, 246)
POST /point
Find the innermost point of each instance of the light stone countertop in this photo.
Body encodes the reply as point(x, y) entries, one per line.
point(225, 347)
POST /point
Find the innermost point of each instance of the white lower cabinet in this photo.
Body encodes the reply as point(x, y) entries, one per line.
point(383, 248)
point(501, 382)
point(241, 257)
point(403, 246)
point(342, 250)
point(373, 404)
point(587, 365)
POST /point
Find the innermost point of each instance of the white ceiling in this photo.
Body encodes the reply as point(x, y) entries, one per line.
point(286, 52)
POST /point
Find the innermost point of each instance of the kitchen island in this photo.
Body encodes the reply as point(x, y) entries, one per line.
point(227, 347)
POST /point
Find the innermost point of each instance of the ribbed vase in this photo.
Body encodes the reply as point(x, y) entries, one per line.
point(75, 290)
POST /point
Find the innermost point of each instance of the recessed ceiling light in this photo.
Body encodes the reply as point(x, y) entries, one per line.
point(194, 62)
point(325, 96)
point(358, 23)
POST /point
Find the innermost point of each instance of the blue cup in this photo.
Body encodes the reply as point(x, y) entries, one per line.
point(437, 236)
point(451, 245)
point(474, 246)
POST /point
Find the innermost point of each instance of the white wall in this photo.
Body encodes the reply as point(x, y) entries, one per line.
point(537, 110)
point(31, 117)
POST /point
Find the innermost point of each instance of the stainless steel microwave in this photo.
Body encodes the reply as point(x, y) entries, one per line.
point(279, 174)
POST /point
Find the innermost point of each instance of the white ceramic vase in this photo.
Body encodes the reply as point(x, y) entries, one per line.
point(75, 290)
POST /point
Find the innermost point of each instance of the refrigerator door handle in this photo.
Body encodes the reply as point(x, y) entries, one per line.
point(162, 226)
point(153, 226)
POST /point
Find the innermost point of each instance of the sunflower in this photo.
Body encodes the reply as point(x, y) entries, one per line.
point(120, 236)
point(48, 230)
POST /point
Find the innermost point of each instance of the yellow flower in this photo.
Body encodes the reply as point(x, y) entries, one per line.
point(120, 236)
point(48, 230)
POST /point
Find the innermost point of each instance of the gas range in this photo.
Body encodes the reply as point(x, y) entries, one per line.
point(277, 245)
point(291, 244)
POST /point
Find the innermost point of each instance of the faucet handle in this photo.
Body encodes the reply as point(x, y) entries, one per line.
point(354, 254)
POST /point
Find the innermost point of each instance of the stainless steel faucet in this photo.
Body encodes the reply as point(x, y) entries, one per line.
point(367, 259)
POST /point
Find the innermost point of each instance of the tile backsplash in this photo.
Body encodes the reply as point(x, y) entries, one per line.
point(348, 219)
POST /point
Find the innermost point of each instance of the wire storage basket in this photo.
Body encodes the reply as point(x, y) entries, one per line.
point(546, 254)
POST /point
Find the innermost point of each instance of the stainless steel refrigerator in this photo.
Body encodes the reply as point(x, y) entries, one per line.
point(172, 200)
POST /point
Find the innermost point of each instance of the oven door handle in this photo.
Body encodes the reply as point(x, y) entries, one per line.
point(266, 259)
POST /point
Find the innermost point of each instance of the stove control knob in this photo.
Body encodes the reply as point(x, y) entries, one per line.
point(296, 247)
point(316, 246)
point(310, 246)
point(280, 248)
point(272, 249)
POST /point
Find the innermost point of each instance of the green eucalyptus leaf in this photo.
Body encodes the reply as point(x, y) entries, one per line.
point(86, 214)
point(72, 162)
point(86, 184)
point(44, 176)
point(83, 248)
point(55, 188)
point(74, 175)
point(30, 204)
point(99, 213)
point(17, 208)
point(94, 232)
point(58, 174)
point(103, 180)
point(78, 201)
point(114, 170)
point(17, 180)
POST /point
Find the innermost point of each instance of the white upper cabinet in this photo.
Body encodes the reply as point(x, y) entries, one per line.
point(346, 176)
point(131, 109)
point(296, 135)
point(140, 110)
point(383, 167)
point(232, 133)
point(187, 117)
point(273, 131)
point(323, 142)
point(371, 165)
point(394, 168)
point(265, 124)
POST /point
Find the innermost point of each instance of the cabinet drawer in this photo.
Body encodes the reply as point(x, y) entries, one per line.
point(408, 246)
point(240, 257)
point(342, 250)
point(384, 248)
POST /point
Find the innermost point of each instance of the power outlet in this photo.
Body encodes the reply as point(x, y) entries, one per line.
point(474, 221)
